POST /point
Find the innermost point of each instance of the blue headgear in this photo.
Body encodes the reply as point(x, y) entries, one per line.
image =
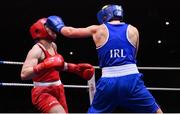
point(109, 12)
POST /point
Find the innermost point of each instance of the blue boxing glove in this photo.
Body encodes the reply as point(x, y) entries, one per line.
point(55, 23)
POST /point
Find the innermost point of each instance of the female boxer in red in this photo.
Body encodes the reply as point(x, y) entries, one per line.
point(44, 65)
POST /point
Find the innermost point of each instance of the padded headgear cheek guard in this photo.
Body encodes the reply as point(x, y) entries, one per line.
point(110, 12)
point(38, 30)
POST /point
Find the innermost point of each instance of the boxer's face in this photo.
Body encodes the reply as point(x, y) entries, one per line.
point(51, 33)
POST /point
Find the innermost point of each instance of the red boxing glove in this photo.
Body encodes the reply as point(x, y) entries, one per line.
point(56, 61)
point(85, 70)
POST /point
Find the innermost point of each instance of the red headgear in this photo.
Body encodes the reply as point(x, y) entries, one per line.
point(38, 30)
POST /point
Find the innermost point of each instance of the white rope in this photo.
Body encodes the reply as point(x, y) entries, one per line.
point(81, 86)
point(11, 62)
point(163, 89)
point(159, 68)
point(76, 86)
point(97, 67)
point(31, 85)
point(16, 84)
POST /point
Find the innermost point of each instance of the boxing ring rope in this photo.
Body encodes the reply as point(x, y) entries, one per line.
point(91, 83)
point(154, 68)
point(31, 85)
point(11, 62)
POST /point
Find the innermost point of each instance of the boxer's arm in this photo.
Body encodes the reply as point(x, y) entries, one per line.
point(31, 60)
point(73, 32)
point(31, 67)
point(133, 36)
point(57, 24)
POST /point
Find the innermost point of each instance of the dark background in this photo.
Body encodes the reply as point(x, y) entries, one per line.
point(149, 16)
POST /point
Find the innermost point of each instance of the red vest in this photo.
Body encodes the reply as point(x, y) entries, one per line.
point(49, 75)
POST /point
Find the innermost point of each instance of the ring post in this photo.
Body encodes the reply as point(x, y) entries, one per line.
point(92, 88)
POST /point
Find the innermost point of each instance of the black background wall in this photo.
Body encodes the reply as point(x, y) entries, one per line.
point(150, 17)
